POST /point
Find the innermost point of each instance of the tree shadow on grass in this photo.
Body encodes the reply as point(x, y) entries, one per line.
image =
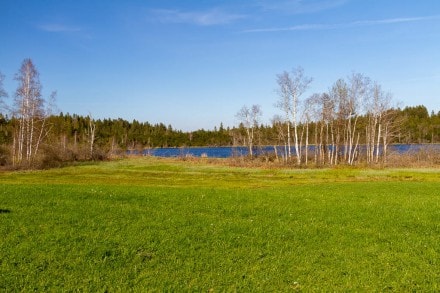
point(4, 211)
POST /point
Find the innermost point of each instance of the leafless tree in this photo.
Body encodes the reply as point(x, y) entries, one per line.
point(330, 138)
point(381, 124)
point(349, 98)
point(250, 118)
point(91, 134)
point(391, 128)
point(339, 98)
point(51, 109)
point(335, 116)
point(314, 114)
point(309, 115)
point(291, 87)
point(279, 123)
point(299, 85)
point(377, 105)
point(3, 93)
point(29, 111)
point(285, 104)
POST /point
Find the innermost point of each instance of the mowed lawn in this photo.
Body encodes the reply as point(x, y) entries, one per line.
point(149, 224)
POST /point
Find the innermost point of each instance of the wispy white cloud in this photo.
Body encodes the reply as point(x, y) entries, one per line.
point(301, 27)
point(58, 28)
point(300, 6)
point(309, 27)
point(202, 18)
point(394, 20)
point(220, 15)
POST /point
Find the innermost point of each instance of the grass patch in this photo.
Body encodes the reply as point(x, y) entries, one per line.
point(167, 225)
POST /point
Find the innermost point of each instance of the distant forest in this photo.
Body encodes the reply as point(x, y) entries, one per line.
point(355, 112)
point(71, 133)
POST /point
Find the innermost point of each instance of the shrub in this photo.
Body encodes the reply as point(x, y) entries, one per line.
point(5, 155)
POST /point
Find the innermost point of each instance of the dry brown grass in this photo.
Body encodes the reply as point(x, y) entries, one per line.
point(424, 158)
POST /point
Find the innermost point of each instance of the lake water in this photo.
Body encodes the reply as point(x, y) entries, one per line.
point(227, 152)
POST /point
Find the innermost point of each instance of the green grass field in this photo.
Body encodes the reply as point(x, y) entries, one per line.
point(151, 224)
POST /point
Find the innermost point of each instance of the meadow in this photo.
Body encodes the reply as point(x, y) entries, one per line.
point(152, 224)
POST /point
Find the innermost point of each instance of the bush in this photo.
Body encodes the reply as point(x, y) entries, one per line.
point(5, 155)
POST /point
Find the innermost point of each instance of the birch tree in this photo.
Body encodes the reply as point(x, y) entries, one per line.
point(279, 124)
point(314, 103)
point(339, 95)
point(291, 87)
point(3, 93)
point(378, 128)
point(44, 130)
point(250, 118)
point(350, 97)
point(309, 115)
point(355, 92)
point(331, 137)
point(299, 84)
point(374, 113)
point(391, 127)
point(91, 130)
point(28, 110)
point(284, 104)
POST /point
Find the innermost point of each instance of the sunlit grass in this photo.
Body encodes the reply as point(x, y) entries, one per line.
point(172, 172)
point(168, 225)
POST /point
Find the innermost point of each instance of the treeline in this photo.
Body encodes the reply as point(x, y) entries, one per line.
point(354, 113)
point(70, 135)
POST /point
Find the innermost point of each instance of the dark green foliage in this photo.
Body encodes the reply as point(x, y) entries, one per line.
point(5, 130)
point(416, 125)
point(4, 155)
point(131, 135)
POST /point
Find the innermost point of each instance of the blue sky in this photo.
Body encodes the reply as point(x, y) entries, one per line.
point(194, 64)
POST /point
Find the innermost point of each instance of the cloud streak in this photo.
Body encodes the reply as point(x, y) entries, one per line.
point(310, 27)
point(300, 6)
point(58, 28)
point(201, 18)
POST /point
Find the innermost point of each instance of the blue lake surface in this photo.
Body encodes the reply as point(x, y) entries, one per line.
point(227, 152)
